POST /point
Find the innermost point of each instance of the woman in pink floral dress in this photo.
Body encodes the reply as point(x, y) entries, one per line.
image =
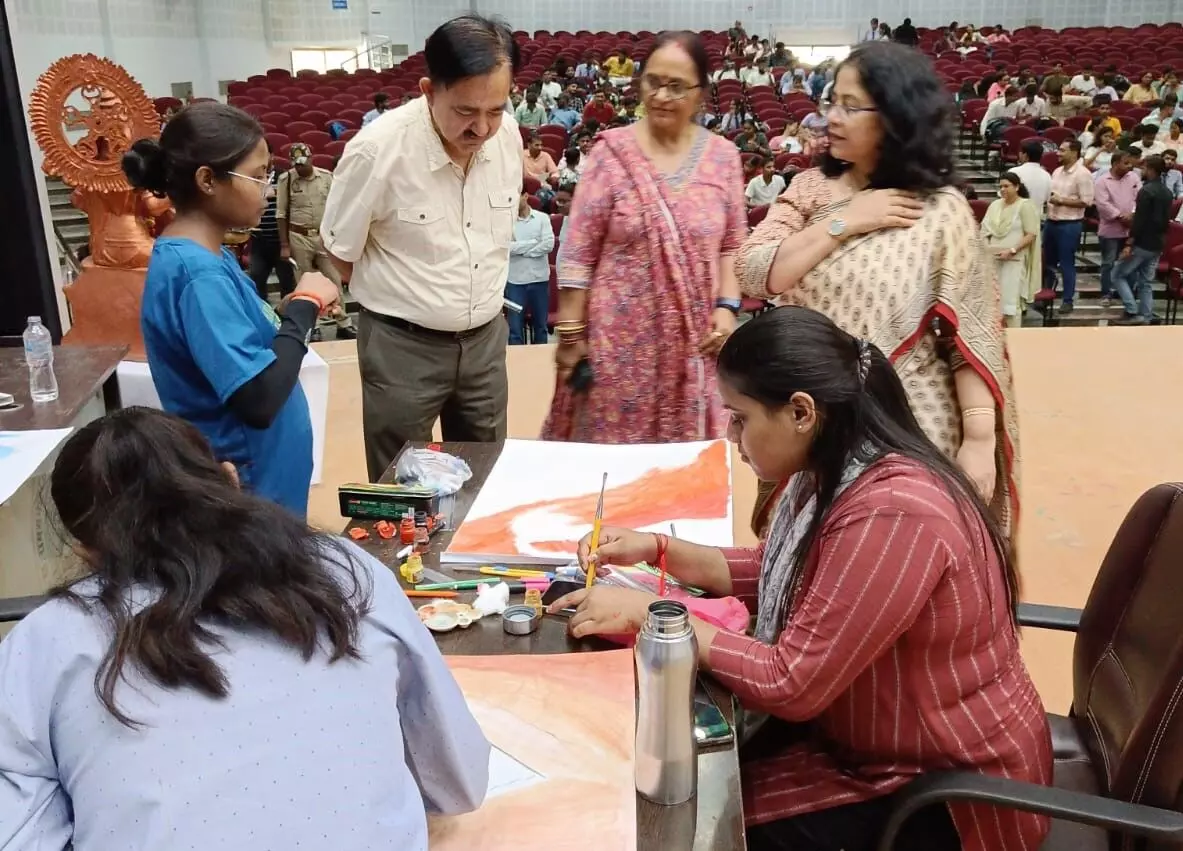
point(647, 286)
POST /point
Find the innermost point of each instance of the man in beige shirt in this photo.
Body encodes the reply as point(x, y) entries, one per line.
point(1072, 192)
point(300, 197)
point(419, 221)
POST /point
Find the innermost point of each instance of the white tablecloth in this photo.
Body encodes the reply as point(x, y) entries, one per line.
point(136, 388)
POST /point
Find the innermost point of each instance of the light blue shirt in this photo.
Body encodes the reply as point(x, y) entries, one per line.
point(533, 240)
point(298, 755)
point(567, 118)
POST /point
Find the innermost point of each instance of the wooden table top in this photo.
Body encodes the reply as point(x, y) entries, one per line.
point(713, 821)
point(81, 372)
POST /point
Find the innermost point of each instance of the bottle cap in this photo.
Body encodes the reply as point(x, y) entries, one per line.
point(34, 320)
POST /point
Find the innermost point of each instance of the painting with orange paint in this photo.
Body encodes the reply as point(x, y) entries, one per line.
point(571, 721)
point(540, 498)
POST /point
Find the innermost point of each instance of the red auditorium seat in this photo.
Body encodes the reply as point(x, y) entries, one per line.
point(979, 206)
point(348, 134)
point(324, 161)
point(334, 148)
point(534, 202)
point(354, 115)
point(292, 92)
point(277, 73)
point(553, 306)
point(316, 139)
point(1059, 135)
point(276, 102)
point(294, 111)
point(756, 215)
point(164, 104)
point(316, 118)
point(310, 100)
point(297, 128)
point(556, 223)
point(307, 73)
point(531, 184)
point(238, 87)
point(276, 119)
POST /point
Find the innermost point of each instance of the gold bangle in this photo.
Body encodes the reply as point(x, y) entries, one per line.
point(977, 412)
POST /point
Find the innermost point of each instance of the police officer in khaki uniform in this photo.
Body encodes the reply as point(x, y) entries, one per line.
point(300, 204)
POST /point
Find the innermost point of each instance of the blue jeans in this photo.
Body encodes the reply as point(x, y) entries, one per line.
point(1110, 248)
point(535, 302)
point(1135, 274)
point(1060, 240)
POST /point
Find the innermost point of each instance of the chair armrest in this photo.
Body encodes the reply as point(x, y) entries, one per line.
point(15, 608)
point(1133, 819)
point(1061, 618)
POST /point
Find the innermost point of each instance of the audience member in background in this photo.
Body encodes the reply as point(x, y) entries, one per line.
point(220, 357)
point(1099, 155)
point(748, 69)
point(588, 69)
point(1061, 106)
point(1163, 114)
point(1133, 276)
point(1115, 195)
point(1174, 136)
point(793, 82)
point(1147, 140)
point(790, 140)
point(381, 104)
point(727, 72)
point(208, 632)
point(561, 203)
point(536, 162)
point(575, 98)
point(630, 111)
point(884, 582)
point(1036, 180)
point(1168, 85)
point(1000, 109)
point(1092, 130)
point(1055, 80)
point(420, 220)
point(1084, 83)
point(267, 253)
point(564, 114)
point(301, 195)
point(1072, 193)
point(733, 119)
point(998, 87)
point(760, 75)
point(971, 41)
point(571, 167)
point(892, 229)
point(1107, 89)
point(1031, 106)
point(764, 188)
point(780, 57)
point(528, 282)
point(906, 34)
point(871, 33)
point(1142, 92)
point(620, 68)
point(655, 224)
point(599, 109)
point(816, 123)
point(751, 141)
point(884, 32)
point(1010, 230)
point(751, 49)
point(530, 113)
point(550, 90)
point(1172, 179)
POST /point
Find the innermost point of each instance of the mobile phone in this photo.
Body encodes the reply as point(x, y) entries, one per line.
point(710, 727)
point(558, 588)
point(582, 377)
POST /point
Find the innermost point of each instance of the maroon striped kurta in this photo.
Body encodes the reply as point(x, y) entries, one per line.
point(900, 650)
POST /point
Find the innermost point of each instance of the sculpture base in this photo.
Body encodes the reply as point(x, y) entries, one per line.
point(105, 308)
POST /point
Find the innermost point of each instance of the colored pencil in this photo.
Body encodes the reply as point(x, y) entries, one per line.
point(595, 539)
point(419, 592)
point(661, 580)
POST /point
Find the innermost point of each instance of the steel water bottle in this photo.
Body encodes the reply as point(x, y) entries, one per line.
point(667, 664)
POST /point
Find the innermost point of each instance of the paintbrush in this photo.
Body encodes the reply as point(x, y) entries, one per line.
point(595, 538)
point(661, 581)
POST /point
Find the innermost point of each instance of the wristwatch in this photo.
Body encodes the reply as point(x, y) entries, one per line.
point(837, 228)
point(731, 304)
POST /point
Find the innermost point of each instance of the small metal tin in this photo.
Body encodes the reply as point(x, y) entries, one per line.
point(520, 620)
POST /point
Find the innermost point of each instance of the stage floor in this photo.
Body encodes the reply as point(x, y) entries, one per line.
point(1080, 391)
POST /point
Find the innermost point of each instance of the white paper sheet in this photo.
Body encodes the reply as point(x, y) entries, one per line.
point(507, 775)
point(22, 452)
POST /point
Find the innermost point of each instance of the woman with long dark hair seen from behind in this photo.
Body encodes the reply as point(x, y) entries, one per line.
point(885, 644)
point(880, 240)
point(220, 356)
point(220, 676)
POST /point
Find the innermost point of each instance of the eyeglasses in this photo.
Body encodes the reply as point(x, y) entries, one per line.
point(829, 106)
point(264, 185)
point(674, 89)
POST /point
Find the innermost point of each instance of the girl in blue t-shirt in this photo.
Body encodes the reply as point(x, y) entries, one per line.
point(219, 355)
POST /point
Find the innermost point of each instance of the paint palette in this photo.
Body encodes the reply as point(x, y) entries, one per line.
point(446, 615)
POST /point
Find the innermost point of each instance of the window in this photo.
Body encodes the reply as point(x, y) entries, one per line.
point(326, 59)
point(812, 54)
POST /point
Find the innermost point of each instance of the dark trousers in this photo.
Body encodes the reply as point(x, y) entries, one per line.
point(856, 827)
point(535, 301)
point(412, 376)
point(264, 258)
point(1060, 241)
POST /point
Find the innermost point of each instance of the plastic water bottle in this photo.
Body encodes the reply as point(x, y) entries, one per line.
point(43, 384)
point(666, 655)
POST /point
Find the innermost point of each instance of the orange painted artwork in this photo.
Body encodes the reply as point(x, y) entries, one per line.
point(541, 497)
point(562, 733)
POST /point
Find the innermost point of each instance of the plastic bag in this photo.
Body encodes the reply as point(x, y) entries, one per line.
point(429, 468)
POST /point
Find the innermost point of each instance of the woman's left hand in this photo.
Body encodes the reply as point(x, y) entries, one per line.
point(605, 610)
point(722, 324)
point(976, 458)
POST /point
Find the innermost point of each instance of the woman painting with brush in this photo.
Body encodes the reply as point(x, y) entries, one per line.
point(884, 582)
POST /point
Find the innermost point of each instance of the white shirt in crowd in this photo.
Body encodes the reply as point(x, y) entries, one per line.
point(724, 74)
point(761, 192)
point(1038, 183)
point(533, 240)
point(1083, 86)
point(429, 244)
point(1036, 108)
point(998, 108)
point(1154, 149)
point(755, 78)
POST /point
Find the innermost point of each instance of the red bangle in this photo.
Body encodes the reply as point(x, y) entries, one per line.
point(320, 305)
point(663, 544)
